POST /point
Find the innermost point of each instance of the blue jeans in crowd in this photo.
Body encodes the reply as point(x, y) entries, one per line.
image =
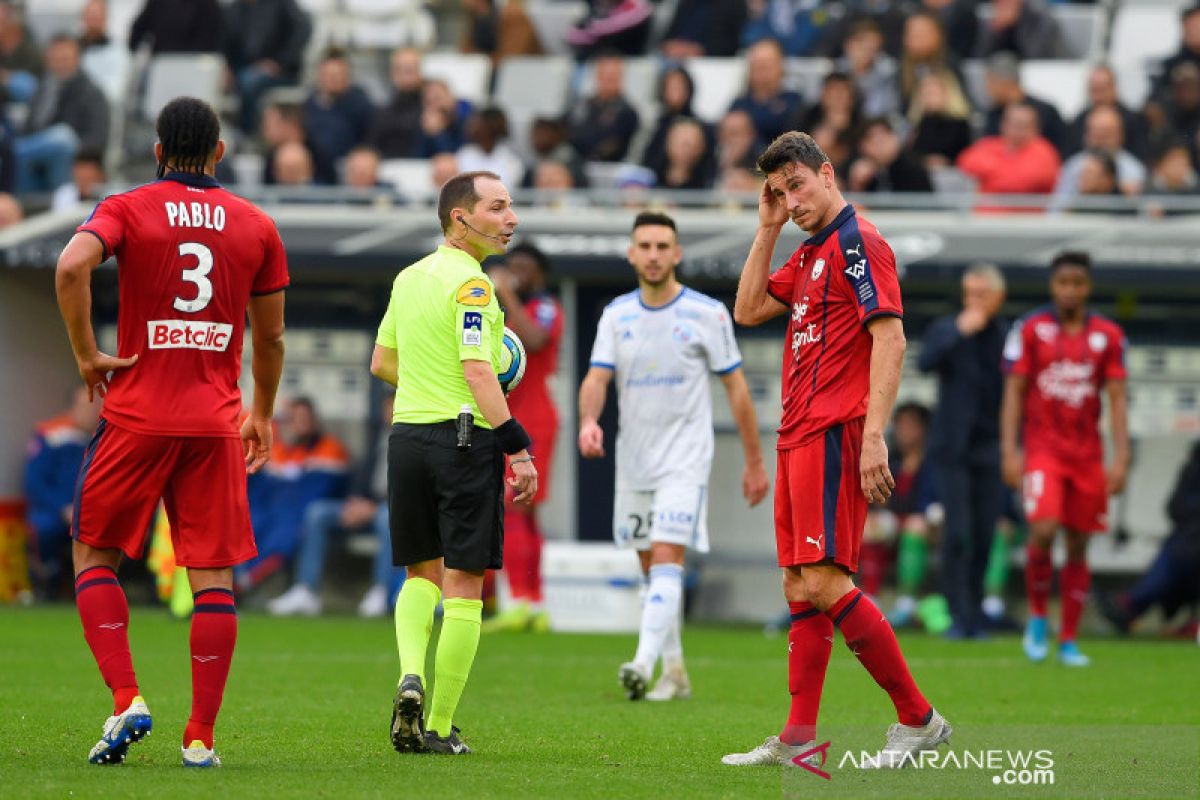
point(321, 520)
point(252, 84)
point(44, 158)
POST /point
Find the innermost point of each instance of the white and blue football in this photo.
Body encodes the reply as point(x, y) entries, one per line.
point(512, 361)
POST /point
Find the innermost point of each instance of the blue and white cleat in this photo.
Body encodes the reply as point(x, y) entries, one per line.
point(1034, 641)
point(1069, 655)
point(197, 755)
point(131, 725)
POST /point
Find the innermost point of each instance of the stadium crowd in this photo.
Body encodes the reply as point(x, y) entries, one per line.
point(906, 96)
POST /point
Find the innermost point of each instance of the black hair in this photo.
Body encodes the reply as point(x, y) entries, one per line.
point(679, 69)
point(1071, 258)
point(792, 147)
point(1106, 161)
point(1187, 11)
point(189, 130)
point(305, 401)
point(654, 218)
point(922, 412)
point(459, 192)
point(534, 252)
point(90, 155)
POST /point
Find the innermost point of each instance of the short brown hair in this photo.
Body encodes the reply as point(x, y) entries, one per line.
point(459, 192)
point(654, 218)
point(792, 147)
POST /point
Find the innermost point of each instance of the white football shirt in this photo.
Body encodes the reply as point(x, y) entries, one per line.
point(661, 358)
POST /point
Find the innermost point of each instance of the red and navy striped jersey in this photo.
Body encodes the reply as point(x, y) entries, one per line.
point(837, 281)
point(189, 256)
point(1065, 373)
point(530, 402)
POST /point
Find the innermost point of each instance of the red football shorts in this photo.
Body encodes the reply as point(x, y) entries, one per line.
point(1073, 494)
point(820, 510)
point(201, 481)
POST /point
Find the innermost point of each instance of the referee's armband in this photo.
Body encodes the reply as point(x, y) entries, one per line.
point(511, 437)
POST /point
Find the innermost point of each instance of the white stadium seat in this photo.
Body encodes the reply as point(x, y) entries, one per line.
point(718, 83)
point(1143, 34)
point(806, 75)
point(1061, 83)
point(171, 75)
point(552, 19)
point(466, 74)
point(412, 177)
point(535, 85)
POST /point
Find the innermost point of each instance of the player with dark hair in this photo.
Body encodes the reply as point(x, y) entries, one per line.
point(193, 260)
point(536, 316)
point(439, 345)
point(1059, 360)
point(840, 378)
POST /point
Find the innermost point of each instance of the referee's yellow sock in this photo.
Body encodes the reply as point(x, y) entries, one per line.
point(452, 664)
point(414, 624)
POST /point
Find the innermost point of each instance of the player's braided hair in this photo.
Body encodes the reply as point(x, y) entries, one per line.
point(188, 129)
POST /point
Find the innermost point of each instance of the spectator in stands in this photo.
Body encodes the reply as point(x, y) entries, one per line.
point(1102, 91)
point(1097, 177)
point(307, 464)
point(873, 70)
point(443, 118)
point(67, 113)
point(282, 123)
point(104, 61)
point(361, 170)
point(939, 136)
point(551, 175)
point(52, 462)
point(884, 165)
point(838, 144)
point(1172, 175)
point(771, 106)
point(689, 161)
point(292, 165)
point(675, 92)
point(1103, 134)
point(87, 182)
point(964, 351)
point(363, 509)
point(11, 211)
point(396, 130)
point(550, 142)
point(1017, 161)
point(1172, 581)
point(487, 147)
point(1177, 115)
point(618, 26)
point(887, 16)
point(337, 115)
point(603, 125)
point(1026, 28)
point(499, 32)
point(925, 53)
point(837, 109)
point(1003, 79)
point(20, 58)
point(704, 28)
point(1188, 53)
point(959, 20)
point(178, 26)
point(264, 44)
point(738, 146)
point(442, 168)
point(797, 26)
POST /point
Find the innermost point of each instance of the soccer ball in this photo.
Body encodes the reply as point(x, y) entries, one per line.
point(512, 361)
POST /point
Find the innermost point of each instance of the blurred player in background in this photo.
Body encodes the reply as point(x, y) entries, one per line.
point(192, 261)
point(841, 373)
point(536, 317)
point(660, 342)
point(1060, 358)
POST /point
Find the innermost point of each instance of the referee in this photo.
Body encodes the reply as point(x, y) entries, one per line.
point(439, 344)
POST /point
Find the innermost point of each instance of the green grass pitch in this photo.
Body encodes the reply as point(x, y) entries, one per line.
point(307, 710)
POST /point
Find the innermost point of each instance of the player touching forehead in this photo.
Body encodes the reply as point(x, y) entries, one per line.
point(654, 250)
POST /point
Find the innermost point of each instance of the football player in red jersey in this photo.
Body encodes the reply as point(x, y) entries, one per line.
point(536, 316)
point(1060, 359)
point(192, 260)
point(841, 371)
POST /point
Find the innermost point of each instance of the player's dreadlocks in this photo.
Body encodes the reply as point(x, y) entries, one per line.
point(188, 129)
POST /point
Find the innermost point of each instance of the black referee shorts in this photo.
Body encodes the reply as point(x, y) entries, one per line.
point(443, 503)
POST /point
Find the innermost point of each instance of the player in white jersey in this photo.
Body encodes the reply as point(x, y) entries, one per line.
point(661, 342)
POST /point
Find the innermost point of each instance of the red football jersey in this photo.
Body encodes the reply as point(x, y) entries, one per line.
point(838, 280)
point(1065, 372)
point(530, 402)
point(189, 255)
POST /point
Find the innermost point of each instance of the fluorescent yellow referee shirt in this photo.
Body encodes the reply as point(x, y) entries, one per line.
point(443, 311)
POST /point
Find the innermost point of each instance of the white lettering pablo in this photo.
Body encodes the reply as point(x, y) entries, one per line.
point(195, 215)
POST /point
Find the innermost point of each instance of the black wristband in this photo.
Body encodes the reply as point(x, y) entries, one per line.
point(511, 437)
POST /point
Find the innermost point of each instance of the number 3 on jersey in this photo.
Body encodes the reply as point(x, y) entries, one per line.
point(197, 275)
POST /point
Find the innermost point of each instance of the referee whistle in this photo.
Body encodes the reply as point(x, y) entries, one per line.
point(464, 427)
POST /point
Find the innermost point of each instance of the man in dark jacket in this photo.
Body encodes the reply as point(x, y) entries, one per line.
point(178, 26)
point(67, 113)
point(965, 351)
point(264, 45)
point(336, 115)
point(396, 130)
point(603, 125)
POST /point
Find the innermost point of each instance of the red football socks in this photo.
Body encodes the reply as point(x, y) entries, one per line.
point(871, 639)
point(1039, 572)
point(1073, 582)
point(810, 642)
point(105, 617)
point(523, 556)
point(214, 634)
